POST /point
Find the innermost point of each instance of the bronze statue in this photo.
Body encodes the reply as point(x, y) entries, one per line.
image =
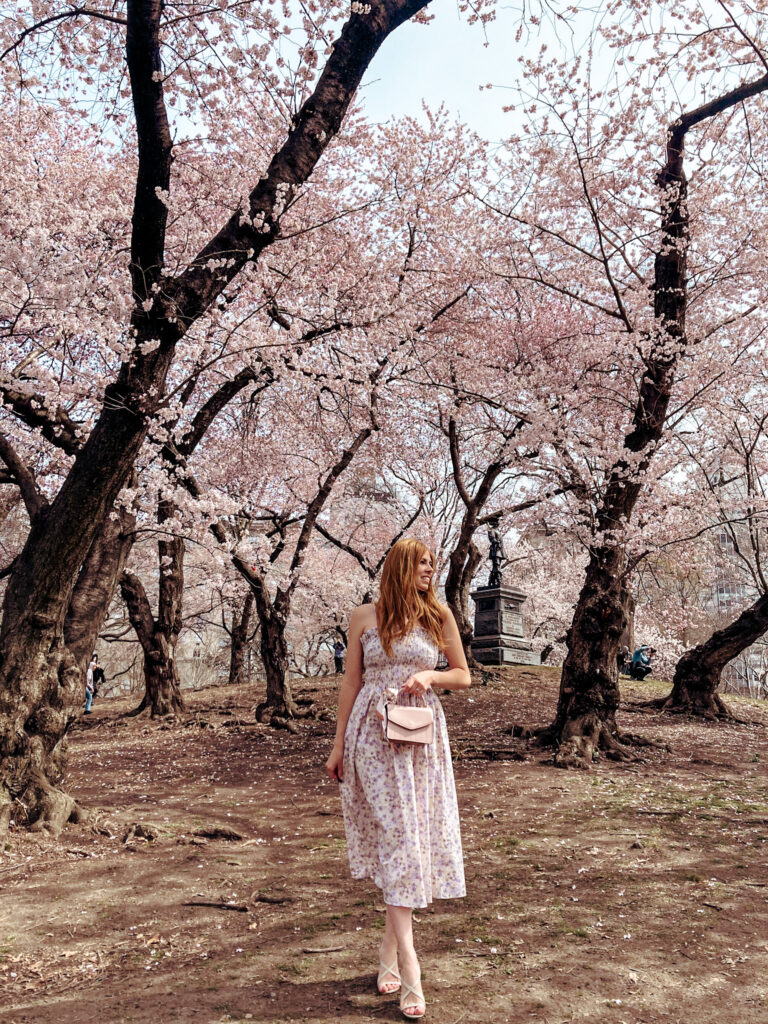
point(496, 553)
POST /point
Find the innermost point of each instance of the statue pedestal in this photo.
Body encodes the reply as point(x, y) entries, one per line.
point(499, 628)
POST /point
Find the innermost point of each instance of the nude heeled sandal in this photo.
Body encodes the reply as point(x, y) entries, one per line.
point(407, 1000)
point(383, 972)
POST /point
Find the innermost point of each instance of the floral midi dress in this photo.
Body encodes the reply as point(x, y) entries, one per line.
point(399, 802)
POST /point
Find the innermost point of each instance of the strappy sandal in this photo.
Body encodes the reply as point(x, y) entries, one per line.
point(383, 972)
point(406, 999)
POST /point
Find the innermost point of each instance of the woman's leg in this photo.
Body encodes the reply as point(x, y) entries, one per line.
point(400, 920)
point(388, 981)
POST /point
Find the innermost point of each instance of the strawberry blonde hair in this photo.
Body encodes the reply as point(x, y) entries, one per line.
point(401, 606)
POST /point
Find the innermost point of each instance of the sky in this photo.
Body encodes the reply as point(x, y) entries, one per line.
point(446, 62)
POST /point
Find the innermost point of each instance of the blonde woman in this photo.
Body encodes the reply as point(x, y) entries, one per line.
point(399, 800)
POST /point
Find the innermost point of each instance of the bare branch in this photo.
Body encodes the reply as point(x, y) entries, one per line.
point(24, 477)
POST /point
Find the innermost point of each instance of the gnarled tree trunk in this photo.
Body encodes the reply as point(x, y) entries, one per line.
point(589, 693)
point(697, 674)
point(589, 689)
point(96, 585)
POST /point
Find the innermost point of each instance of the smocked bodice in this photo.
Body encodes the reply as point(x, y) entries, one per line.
point(415, 652)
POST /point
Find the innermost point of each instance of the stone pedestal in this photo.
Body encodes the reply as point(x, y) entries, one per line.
point(499, 628)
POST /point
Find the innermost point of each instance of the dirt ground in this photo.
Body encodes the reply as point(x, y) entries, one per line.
point(626, 894)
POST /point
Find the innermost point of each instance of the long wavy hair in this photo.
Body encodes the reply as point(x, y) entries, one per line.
point(401, 606)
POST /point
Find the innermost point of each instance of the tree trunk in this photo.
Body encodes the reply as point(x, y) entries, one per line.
point(697, 674)
point(96, 585)
point(239, 642)
point(462, 566)
point(41, 685)
point(158, 636)
point(589, 693)
point(278, 706)
point(589, 689)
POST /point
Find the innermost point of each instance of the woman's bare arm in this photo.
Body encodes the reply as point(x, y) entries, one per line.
point(350, 687)
point(456, 676)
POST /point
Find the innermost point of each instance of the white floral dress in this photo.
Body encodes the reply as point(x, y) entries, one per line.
point(399, 802)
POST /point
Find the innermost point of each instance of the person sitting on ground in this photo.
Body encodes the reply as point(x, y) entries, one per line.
point(640, 665)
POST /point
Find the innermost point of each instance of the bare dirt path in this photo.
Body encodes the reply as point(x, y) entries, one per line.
point(623, 895)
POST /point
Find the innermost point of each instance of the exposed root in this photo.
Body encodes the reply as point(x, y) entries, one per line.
point(713, 708)
point(634, 739)
point(583, 740)
point(278, 722)
point(48, 809)
point(540, 736)
point(286, 715)
point(138, 710)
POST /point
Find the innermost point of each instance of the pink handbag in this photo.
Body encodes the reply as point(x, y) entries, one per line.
point(406, 724)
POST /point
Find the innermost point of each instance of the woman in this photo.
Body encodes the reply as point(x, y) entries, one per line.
point(399, 800)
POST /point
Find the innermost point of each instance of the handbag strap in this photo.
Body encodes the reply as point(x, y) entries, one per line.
point(407, 695)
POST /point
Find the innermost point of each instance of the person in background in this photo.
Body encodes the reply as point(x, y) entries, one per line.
point(98, 676)
point(338, 657)
point(640, 666)
point(89, 683)
point(623, 658)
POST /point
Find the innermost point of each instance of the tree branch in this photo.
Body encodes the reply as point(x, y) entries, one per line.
point(217, 401)
point(74, 12)
point(150, 209)
point(24, 477)
point(56, 427)
point(247, 233)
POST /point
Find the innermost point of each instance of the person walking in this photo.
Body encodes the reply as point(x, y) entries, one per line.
point(89, 683)
point(338, 657)
point(399, 800)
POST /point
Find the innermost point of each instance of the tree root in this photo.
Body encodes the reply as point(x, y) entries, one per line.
point(286, 716)
point(138, 710)
point(580, 747)
point(713, 710)
point(43, 807)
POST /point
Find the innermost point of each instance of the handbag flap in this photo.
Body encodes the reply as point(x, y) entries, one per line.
point(409, 718)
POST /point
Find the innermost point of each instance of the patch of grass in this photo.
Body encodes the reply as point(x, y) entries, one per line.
point(505, 843)
point(579, 932)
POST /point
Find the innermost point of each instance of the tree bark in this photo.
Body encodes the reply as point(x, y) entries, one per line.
point(239, 642)
point(697, 674)
point(158, 637)
point(278, 706)
point(96, 585)
point(589, 688)
point(463, 563)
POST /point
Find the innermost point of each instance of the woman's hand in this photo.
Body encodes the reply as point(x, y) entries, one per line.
point(333, 765)
point(418, 683)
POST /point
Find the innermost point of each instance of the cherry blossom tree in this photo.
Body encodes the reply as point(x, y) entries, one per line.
point(145, 55)
point(659, 291)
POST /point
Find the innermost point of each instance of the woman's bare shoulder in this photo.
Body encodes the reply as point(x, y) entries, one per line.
point(363, 617)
